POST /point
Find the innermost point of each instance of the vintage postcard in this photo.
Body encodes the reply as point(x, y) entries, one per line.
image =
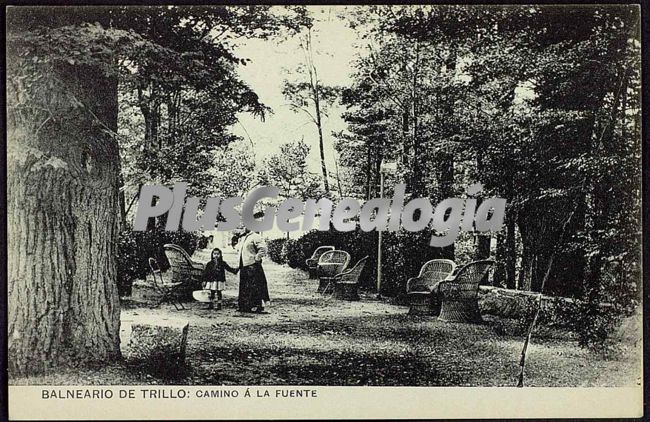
point(324, 212)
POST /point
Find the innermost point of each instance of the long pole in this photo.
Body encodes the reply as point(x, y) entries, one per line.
point(381, 195)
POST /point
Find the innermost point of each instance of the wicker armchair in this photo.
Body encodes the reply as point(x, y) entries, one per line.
point(459, 293)
point(422, 291)
point(183, 270)
point(346, 284)
point(168, 291)
point(312, 263)
point(330, 264)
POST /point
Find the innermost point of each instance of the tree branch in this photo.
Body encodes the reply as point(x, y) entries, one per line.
point(522, 361)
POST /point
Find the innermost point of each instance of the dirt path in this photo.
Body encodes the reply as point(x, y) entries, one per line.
point(293, 300)
point(311, 340)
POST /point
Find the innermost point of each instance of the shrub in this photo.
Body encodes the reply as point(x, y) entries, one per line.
point(292, 254)
point(202, 242)
point(602, 310)
point(594, 317)
point(275, 250)
point(136, 247)
point(129, 265)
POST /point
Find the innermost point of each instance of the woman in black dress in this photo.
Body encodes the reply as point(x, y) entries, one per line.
point(253, 289)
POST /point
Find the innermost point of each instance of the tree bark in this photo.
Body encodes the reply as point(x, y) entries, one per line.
point(510, 252)
point(500, 270)
point(448, 110)
point(315, 92)
point(63, 213)
point(368, 171)
point(417, 182)
point(321, 144)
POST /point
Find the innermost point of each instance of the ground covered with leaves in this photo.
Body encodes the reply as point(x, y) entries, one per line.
point(309, 339)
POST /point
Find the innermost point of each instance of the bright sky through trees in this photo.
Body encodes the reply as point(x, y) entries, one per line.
point(274, 60)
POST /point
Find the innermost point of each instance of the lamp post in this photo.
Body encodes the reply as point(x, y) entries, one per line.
point(384, 167)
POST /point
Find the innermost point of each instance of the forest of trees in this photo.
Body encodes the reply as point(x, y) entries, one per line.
point(540, 104)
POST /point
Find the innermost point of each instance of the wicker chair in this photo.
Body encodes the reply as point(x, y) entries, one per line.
point(168, 291)
point(183, 270)
point(330, 264)
point(422, 291)
point(459, 293)
point(312, 263)
point(346, 284)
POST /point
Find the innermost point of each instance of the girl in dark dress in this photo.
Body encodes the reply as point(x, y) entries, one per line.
point(214, 276)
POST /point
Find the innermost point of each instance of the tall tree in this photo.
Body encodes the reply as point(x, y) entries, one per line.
point(287, 170)
point(364, 144)
point(184, 106)
point(64, 69)
point(311, 96)
point(62, 166)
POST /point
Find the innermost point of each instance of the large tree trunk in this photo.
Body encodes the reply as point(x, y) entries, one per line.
point(417, 176)
point(368, 172)
point(510, 252)
point(448, 110)
point(321, 144)
point(62, 167)
point(500, 270)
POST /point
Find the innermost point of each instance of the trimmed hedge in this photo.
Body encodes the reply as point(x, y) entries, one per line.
point(275, 250)
point(292, 254)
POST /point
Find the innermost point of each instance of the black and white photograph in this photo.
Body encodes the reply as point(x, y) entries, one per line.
point(213, 202)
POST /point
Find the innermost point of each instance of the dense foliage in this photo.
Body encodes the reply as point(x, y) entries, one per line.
point(539, 104)
point(176, 117)
point(179, 92)
point(179, 95)
point(275, 250)
point(287, 170)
